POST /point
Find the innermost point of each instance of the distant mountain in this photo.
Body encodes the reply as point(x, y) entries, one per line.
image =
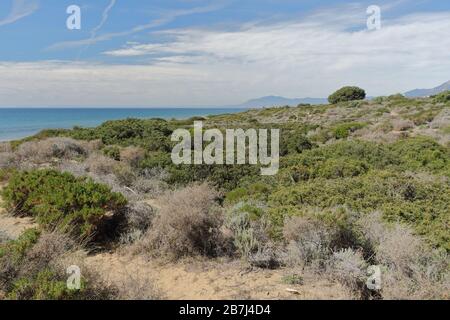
point(428, 92)
point(271, 101)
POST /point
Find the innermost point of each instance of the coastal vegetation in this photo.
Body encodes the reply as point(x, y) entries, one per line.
point(361, 183)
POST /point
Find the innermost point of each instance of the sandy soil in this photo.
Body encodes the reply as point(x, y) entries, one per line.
point(199, 280)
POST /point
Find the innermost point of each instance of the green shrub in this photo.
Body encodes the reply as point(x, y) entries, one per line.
point(421, 153)
point(15, 250)
point(442, 97)
point(293, 279)
point(12, 255)
point(424, 116)
point(294, 142)
point(5, 174)
point(396, 97)
point(413, 154)
point(245, 240)
point(422, 204)
point(46, 285)
point(342, 168)
point(344, 130)
point(254, 191)
point(226, 177)
point(346, 94)
point(379, 100)
point(30, 270)
point(153, 135)
point(61, 200)
point(113, 152)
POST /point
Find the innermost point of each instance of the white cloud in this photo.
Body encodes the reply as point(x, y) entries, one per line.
point(20, 9)
point(64, 83)
point(314, 56)
point(309, 57)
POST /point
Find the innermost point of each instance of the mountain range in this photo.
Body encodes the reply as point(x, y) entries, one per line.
point(270, 101)
point(428, 92)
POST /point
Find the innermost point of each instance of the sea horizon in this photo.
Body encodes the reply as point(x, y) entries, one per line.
point(21, 122)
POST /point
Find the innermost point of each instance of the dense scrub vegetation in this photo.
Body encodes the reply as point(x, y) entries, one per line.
point(59, 200)
point(360, 183)
point(33, 267)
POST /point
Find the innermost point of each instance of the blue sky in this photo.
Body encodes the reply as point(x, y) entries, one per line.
point(197, 52)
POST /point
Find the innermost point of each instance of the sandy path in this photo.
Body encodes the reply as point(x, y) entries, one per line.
point(199, 280)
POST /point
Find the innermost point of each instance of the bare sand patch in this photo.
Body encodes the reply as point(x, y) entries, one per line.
point(211, 279)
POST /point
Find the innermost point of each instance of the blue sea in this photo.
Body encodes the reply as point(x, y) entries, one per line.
point(16, 123)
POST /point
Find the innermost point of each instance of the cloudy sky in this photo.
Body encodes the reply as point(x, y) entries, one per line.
point(223, 52)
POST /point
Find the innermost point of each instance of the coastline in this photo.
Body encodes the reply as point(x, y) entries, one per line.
point(19, 123)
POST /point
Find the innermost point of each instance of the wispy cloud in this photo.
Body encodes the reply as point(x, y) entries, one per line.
point(105, 16)
point(313, 56)
point(162, 20)
point(302, 57)
point(20, 9)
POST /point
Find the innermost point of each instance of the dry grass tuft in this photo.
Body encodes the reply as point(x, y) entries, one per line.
point(411, 269)
point(402, 124)
point(39, 152)
point(132, 155)
point(188, 224)
point(7, 160)
point(5, 147)
point(309, 243)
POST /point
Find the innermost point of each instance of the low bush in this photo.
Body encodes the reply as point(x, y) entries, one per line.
point(12, 255)
point(293, 279)
point(443, 97)
point(139, 216)
point(101, 165)
point(292, 142)
point(5, 174)
point(7, 160)
point(400, 197)
point(46, 150)
point(33, 268)
point(410, 268)
point(5, 147)
point(308, 243)
point(402, 125)
point(344, 130)
point(188, 224)
point(341, 168)
point(132, 156)
point(249, 237)
point(424, 117)
point(422, 153)
point(349, 267)
point(152, 135)
point(112, 152)
point(61, 200)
